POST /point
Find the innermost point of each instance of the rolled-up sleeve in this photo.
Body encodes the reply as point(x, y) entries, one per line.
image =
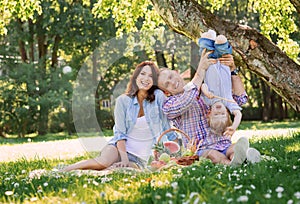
point(120, 131)
point(242, 99)
point(176, 105)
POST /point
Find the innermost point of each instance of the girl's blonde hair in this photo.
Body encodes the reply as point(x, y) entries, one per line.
point(218, 127)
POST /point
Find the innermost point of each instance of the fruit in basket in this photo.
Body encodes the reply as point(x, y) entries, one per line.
point(164, 157)
point(172, 147)
point(157, 164)
point(188, 152)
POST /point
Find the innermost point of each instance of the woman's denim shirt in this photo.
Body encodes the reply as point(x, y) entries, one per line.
point(126, 113)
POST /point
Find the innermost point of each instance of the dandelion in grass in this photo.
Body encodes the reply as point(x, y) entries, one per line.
point(105, 179)
point(160, 183)
point(102, 194)
point(238, 187)
point(33, 199)
point(16, 185)
point(9, 193)
point(243, 198)
point(158, 197)
point(279, 191)
point(267, 195)
point(169, 195)
point(297, 195)
point(193, 194)
point(95, 183)
point(174, 185)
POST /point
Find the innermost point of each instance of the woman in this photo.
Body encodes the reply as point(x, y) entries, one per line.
point(139, 120)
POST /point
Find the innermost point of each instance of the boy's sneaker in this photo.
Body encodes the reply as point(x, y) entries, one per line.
point(240, 152)
point(253, 155)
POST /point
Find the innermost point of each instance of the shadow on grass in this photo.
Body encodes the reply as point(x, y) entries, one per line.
point(259, 125)
point(48, 137)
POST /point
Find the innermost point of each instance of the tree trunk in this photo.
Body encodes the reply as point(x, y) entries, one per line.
point(195, 57)
point(266, 94)
point(21, 43)
point(280, 109)
point(259, 54)
point(54, 59)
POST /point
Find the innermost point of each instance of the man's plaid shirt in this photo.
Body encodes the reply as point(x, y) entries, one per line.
point(188, 112)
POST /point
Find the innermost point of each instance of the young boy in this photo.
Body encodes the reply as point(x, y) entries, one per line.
point(217, 87)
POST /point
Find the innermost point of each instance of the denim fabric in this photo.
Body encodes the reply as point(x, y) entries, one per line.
point(222, 49)
point(208, 44)
point(138, 161)
point(126, 113)
point(219, 49)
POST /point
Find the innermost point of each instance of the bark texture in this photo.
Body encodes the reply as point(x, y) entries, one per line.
point(257, 53)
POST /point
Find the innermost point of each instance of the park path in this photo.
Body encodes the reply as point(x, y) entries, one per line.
point(64, 149)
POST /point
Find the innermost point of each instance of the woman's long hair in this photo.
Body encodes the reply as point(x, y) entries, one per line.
point(132, 88)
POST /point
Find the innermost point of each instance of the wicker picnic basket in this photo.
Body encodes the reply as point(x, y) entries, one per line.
point(190, 146)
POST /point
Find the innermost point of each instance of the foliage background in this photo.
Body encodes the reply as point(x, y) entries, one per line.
point(40, 38)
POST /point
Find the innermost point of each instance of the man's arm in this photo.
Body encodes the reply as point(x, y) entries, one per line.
point(202, 67)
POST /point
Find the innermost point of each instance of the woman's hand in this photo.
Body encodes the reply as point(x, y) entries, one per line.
point(121, 164)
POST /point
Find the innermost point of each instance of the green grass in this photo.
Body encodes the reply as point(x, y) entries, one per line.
point(271, 181)
point(259, 125)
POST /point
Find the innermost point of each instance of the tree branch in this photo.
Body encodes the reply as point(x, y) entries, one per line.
point(258, 53)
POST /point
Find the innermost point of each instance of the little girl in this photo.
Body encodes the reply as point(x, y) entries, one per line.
point(217, 87)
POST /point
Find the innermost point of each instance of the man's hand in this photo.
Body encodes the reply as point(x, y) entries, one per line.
point(227, 59)
point(204, 61)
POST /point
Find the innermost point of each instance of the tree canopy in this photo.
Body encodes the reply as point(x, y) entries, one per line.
point(276, 63)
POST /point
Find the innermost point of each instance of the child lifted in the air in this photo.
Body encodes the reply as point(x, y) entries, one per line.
point(217, 87)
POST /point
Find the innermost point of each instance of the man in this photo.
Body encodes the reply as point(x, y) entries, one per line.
point(188, 112)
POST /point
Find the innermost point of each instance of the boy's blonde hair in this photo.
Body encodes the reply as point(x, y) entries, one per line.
point(218, 126)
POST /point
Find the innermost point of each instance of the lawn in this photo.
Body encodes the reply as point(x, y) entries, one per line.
point(276, 179)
